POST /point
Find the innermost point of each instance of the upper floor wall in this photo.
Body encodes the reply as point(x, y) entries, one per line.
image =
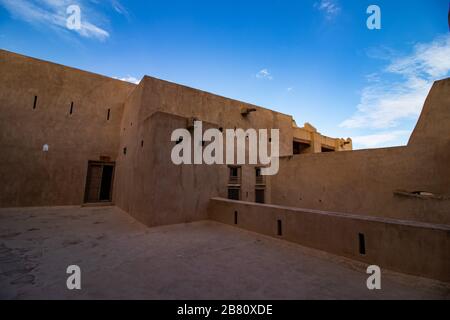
point(76, 114)
point(157, 95)
point(308, 140)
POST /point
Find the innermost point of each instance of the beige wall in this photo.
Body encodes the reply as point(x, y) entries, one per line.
point(30, 177)
point(361, 185)
point(147, 184)
point(154, 190)
point(159, 95)
point(309, 135)
point(415, 248)
point(361, 182)
point(364, 182)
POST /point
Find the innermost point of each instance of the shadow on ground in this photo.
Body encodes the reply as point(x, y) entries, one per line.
point(122, 259)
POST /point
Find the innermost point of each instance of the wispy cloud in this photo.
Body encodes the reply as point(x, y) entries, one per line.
point(119, 8)
point(329, 7)
point(399, 91)
point(381, 139)
point(289, 89)
point(264, 74)
point(53, 14)
point(129, 79)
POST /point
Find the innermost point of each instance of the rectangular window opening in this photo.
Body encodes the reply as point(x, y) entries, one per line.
point(234, 175)
point(362, 244)
point(71, 108)
point(35, 102)
point(279, 228)
point(299, 147)
point(260, 195)
point(109, 115)
point(234, 193)
point(259, 177)
point(326, 149)
point(235, 217)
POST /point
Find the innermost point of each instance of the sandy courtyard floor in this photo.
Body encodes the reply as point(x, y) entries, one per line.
point(122, 259)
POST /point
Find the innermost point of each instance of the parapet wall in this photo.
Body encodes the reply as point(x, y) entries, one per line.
point(414, 248)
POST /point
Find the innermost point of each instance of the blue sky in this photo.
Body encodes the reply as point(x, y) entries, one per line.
point(313, 59)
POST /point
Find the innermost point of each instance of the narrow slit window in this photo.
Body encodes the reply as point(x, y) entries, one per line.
point(109, 115)
point(362, 244)
point(125, 151)
point(235, 217)
point(35, 102)
point(142, 143)
point(279, 228)
point(71, 107)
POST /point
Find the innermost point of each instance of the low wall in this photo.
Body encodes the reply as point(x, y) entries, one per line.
point(410, 247)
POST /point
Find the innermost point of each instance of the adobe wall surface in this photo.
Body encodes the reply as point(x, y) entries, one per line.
point(365, 182)
point(317, 141)
point(157, 192)
point(174, 194)
point(30, 177)
point(410, 247)
point(153, 189)
point(361, 182)
point(433, 127)
point(159, 95)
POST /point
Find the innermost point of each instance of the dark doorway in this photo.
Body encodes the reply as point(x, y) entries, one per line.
point(99, 182)
point(259, 195)
point(105, 189)
point(234, 193)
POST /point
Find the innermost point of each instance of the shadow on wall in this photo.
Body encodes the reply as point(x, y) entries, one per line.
point(417, 248)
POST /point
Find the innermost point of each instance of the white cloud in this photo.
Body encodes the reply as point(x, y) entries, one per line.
point(384, 102)
point(119, 8)
point(52, 13)
point(329, 7)
point(129, 79)
point(264, 74)
point(289, 89)
point(382, 139)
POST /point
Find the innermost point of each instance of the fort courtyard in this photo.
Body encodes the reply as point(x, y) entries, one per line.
point(88, 180)
point(123, 259)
